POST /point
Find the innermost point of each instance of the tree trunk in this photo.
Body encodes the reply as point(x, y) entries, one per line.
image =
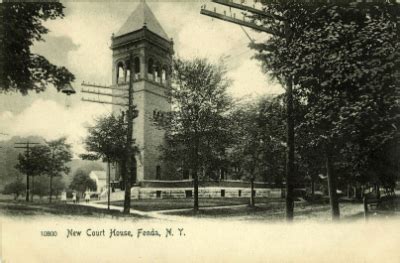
point(348, 190)
point(312, 187)
point(196, 177)
point(32, 188)
point(109, 184)
point(332, 187)
point(27, 187)
point(252, 199)
point(290, 151)
point(51, 187)
point(195, 191)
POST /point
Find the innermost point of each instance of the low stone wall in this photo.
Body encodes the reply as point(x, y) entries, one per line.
point(189, 183)
point(204, 192)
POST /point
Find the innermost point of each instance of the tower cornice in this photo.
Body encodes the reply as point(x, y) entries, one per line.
point(142, 34)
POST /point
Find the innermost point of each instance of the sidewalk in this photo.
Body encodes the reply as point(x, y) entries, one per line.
point(161, 214)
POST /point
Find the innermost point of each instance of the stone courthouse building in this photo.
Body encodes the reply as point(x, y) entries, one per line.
point(143, 38)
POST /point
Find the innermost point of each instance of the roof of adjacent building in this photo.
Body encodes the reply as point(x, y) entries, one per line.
point(140, 17)
point(101, 175)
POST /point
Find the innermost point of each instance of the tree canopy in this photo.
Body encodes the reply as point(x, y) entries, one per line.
point(20, 69)
point(197, 127)
point(343, 61)
point(81, 182)
point(107, 139)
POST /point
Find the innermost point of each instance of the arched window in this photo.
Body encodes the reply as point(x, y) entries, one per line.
point(128, 75)
point(150, 69)
point(157, 73)
point(136, 61)
point(164, 76)
point(120, 72)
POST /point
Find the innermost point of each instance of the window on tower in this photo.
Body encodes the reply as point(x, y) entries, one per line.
point(157, 73)
point(137, 67)
point(128, 75)
point(164, 76)
point(150, 69)
point(120, 73)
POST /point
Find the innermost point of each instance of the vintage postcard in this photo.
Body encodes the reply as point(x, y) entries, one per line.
point(200, 131)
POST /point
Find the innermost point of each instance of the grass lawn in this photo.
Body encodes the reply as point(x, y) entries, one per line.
point(275, 210)
point(38, 208)
point(167, 204)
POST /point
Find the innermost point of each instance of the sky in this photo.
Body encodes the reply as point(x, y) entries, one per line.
point(81, 40)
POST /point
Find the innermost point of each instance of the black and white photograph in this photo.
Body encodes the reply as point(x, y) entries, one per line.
point(200, 131)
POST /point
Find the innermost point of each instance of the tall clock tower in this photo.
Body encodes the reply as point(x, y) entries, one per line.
point(142, 38)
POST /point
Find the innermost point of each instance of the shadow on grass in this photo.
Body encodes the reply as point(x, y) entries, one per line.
point(273, 211)
point(22, 208)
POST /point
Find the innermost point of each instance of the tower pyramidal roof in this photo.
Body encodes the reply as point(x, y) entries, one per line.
point(140, 17)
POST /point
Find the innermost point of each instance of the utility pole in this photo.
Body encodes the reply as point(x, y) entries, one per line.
point(288, 80)
point(131, 114)
point(27, 151)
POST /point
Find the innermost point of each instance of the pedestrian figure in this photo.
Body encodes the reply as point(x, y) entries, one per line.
point(87, 197)
point(63, 196)
point(74, 197)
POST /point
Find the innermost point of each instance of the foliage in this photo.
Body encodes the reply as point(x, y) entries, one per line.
point(36, 162)
point(16, 188)
point(197, 130)
point(40, 186)
point(258, 150)
point(343, 61)
point(50, 159)
point(58, 186)
point(107, 139)
point(22, 70)
point(350, 87)
point(60, 155)
point(81, 182)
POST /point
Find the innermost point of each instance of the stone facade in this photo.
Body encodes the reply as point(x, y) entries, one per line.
point(146, 54)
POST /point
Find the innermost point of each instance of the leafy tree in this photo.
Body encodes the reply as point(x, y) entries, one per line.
point(342, 61)
point(60, 156)
point(352, 97)
point(41, 187)
point(58, 186)
point(48, 159)
point(81, 182)
point(34, 163)
point(259, 148)
point(16, 188)
point(258, 151)
point(107, 141)
point(197, 128)
point(20, 69)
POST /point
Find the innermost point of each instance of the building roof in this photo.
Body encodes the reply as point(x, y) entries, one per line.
point(140, 17)
point(101, 175)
